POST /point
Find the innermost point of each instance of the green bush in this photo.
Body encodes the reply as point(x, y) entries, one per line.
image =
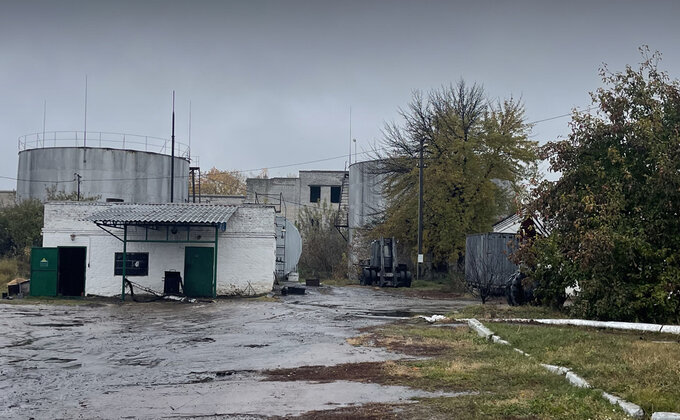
point(20, 227)
point(612, 217)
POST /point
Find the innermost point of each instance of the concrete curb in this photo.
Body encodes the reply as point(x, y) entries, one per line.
point(629, 326)
point(660, 415)
point(484, 332)
point(556, 369)
point(480, 329)
point(629, 408)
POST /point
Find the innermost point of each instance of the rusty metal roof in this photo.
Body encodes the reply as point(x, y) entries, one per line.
point(205, 214)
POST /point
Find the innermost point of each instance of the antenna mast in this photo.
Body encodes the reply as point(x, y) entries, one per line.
point(85, 128)
point(350, 137)
point(189, 152)
point(172, 154)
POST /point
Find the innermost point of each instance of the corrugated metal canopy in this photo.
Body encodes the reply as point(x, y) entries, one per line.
point(130, 214)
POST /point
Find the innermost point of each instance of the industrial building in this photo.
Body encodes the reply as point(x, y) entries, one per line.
point(357, 196)
point(7, 198)
point(292, 194)
point(106, 167)
point(214, 250)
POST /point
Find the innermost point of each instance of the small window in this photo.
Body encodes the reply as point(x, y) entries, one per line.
point(137, 264)
point(314, 194)
point(335, 194)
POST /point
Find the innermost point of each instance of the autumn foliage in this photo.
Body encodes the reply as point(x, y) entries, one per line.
point(217, 182)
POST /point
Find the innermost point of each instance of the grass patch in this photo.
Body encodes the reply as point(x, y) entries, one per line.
point(440, 285)
point(501, 310)
point(643, 368)
point(505, 384)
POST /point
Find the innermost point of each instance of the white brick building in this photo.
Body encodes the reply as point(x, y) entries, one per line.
point(216, 249)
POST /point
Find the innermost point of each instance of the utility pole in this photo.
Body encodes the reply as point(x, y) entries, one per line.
point(172, 154)
point(420, 209)
point(76, 177)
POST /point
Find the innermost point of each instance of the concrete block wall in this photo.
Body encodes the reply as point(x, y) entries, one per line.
point(246, 250)
point(7, 198)
point(323, 179)
point(296, 191)
point(267, 191)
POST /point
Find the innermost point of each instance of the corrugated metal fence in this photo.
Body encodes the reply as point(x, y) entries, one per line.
point(487, 263)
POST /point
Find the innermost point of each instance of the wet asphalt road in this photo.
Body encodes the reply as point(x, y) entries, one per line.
point(177, 360)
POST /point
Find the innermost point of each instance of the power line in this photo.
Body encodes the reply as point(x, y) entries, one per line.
point(309, 162)
point(560, 116)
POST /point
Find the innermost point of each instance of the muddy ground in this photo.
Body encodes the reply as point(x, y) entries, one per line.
point(221, 359)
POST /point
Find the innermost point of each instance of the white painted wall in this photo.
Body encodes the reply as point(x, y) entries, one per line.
point(246, 250)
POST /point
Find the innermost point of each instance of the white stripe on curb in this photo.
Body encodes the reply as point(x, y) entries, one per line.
point(629, 408)
point(630, 326)
point(660, 415)
point(481, 330)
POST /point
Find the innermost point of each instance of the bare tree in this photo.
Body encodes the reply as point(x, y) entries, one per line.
point(485, 276)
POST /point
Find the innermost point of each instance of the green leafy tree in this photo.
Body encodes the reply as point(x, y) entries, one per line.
point(20, 227)
point(614, 215)
point(476, 156)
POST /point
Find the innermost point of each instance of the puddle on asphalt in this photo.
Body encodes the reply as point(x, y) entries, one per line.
point(391, 314)
point(399, 314)
point(244, 397)
point(162, 360)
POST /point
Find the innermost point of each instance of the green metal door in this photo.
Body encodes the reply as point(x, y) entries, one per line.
point(44, 271)
point(198, 271)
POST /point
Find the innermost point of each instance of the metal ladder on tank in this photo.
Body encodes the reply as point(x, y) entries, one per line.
point(280, 222)
point(342, 216)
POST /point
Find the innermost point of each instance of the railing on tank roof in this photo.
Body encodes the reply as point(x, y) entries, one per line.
point(102, 139)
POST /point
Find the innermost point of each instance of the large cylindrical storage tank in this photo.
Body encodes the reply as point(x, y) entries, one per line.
point(107, 174)
point(366, 199)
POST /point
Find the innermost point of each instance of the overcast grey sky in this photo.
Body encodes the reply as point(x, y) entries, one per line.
point(271, 82)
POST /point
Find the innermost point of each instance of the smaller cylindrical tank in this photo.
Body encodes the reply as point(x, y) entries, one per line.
point(366, 199)
point(288, 246)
